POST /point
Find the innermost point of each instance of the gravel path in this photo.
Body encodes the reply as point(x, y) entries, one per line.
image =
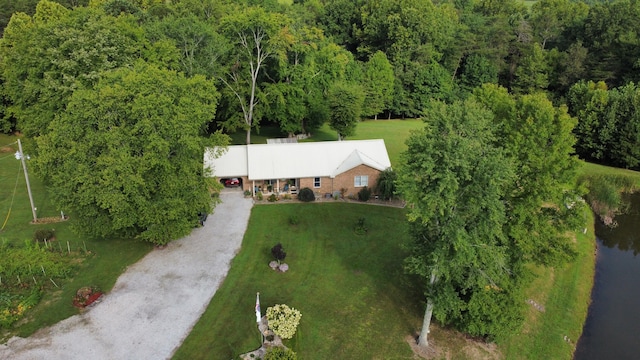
point(155, 303)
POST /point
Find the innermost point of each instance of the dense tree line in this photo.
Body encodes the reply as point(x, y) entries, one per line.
point(397, 54)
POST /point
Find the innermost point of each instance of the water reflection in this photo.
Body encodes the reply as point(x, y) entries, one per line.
point(626, 235)
point(612, 329)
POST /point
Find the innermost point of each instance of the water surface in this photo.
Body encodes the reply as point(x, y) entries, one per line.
point(612, 329)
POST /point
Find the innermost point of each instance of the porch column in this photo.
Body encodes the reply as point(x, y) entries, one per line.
point(278, 185)
point(253, 188)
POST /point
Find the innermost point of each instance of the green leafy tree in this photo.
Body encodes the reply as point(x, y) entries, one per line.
point(45, 58)
point(477, 70)
point(345, 106)
point(625, 109)
point(454, 177)
point(588, 102)
point(199, 45)
point(538, 139)
point(532, 72)
point(550, 18)
point(610, 33)
point(126, 156)
point(378, 85)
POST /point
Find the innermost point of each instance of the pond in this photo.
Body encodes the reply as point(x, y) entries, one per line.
point(612, 329)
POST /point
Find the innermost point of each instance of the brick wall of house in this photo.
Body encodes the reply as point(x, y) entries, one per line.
point(346, 179)
point(325, 185)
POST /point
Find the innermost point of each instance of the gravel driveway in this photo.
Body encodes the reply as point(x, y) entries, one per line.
point(155, 303)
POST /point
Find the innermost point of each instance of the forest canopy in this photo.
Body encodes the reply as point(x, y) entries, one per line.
point(397, 54)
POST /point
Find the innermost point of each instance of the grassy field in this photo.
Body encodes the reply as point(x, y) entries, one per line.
point(105, 261)
point(565, 293)
point(394, 133)
point(355, 300)
point(595, 169)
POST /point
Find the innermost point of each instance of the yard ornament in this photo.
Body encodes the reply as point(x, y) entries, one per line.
point(258, 314)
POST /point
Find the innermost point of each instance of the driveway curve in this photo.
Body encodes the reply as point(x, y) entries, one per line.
point(155, 303)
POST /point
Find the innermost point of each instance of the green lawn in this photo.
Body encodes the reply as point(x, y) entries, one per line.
point(394, 133)
point(355, 300)
point(565, 293)
point(595, 169)
point(106, 260)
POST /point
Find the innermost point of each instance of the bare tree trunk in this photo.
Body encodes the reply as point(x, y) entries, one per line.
point(423, 340)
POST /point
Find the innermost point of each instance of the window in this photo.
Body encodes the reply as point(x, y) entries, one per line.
point(360, 181)
point(316, 182)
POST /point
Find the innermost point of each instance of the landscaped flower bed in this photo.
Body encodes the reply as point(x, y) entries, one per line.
point(85, 296)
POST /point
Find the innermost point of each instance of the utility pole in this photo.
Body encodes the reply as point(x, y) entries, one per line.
point(26, 176)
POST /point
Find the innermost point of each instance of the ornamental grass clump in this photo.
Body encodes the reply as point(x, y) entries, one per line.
point(283, 320)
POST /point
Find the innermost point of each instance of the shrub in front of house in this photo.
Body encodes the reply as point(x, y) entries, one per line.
point(272, 198)
point(306, 195)
point(364, 194)
point(386, 185)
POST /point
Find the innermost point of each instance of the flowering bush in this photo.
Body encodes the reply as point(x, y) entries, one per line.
point(283, 320)
point(12, 308)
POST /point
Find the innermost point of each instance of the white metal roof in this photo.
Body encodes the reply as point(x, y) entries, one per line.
point(298, 160)
point(232, 163)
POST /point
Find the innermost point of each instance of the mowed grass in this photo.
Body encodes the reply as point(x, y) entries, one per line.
point(596, 169)
point(394, 133)
point(104, 261)
point(565, 293)
point(356, 302)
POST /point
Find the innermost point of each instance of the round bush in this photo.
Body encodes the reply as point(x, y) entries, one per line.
point(42, 234)
point(364, 194)
point(283, 320)
point(280, 353)
point(306, 195)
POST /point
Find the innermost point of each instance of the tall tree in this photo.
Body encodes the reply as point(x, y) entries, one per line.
point(345, 107)
point(538, 138)
point(45, 58)
point(610, 32)
point(378, 85)
point(455, 178)
point(588, 102)
point(258, 35)
point(625, 108)
point(531, 75)
point(126, 157)
point(199, 45)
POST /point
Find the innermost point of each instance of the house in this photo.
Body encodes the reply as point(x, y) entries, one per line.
point(328, 167)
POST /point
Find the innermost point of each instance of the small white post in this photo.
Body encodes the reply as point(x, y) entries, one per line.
point(258, 312)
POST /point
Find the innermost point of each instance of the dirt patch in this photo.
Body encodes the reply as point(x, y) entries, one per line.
point(466, 348)
point(50, 220)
